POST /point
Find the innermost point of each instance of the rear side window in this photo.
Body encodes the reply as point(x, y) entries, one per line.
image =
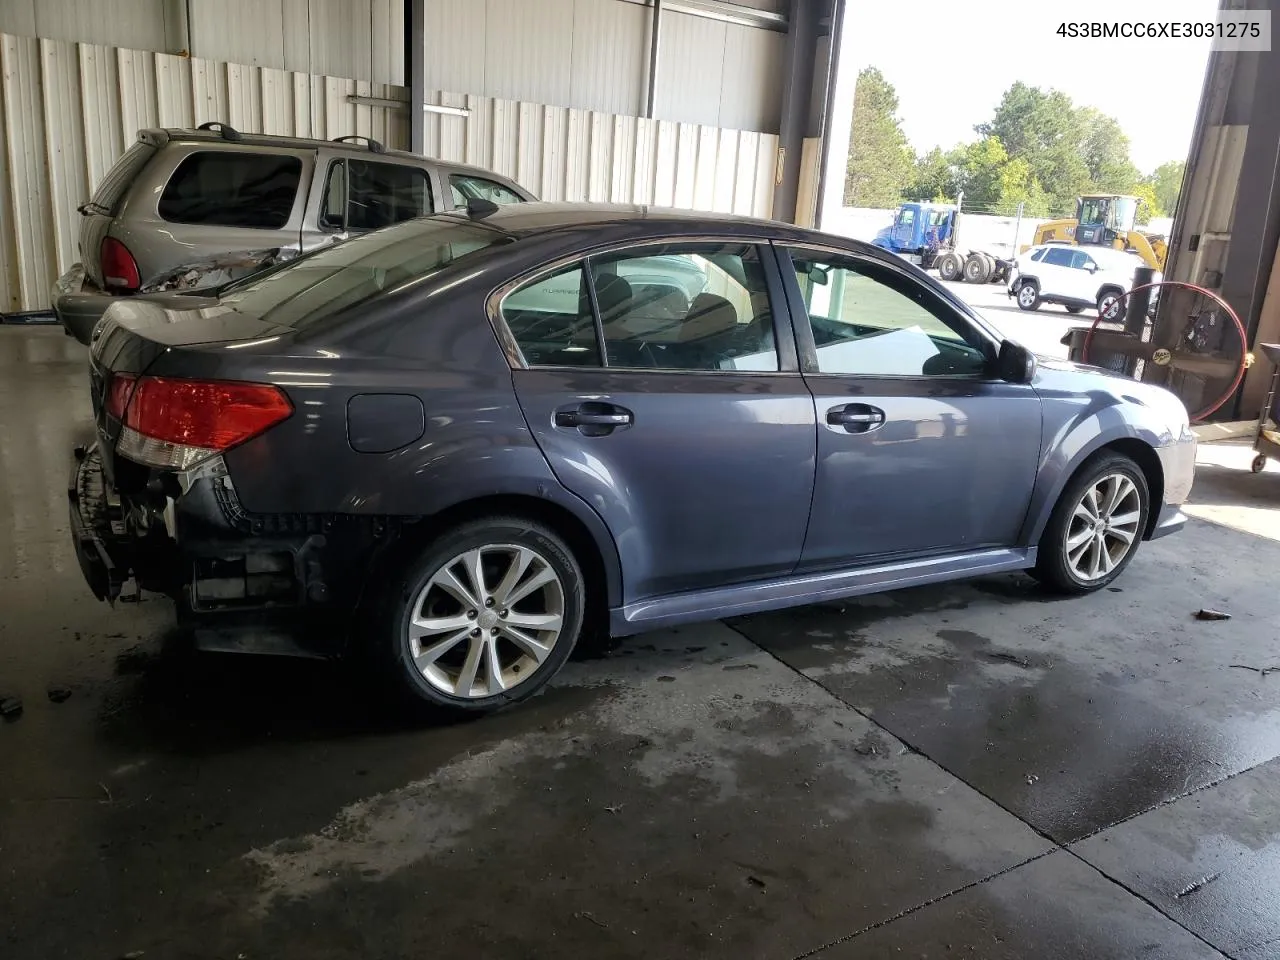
point(1058, 257)
point(221, 188)
point(465, 187)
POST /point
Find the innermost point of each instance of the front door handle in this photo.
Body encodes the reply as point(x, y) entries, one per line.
point(856, 417)
point(594, 419)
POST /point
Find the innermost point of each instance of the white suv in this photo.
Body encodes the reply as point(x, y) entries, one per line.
point(1076, 277)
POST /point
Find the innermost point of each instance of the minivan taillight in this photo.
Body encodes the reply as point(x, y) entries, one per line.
point(175, 424)
point(119, 269)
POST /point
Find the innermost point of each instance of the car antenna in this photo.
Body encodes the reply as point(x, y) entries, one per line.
point(478, 207)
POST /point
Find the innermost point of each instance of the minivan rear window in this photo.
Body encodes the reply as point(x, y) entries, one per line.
point(226, 189)
point(336, 278)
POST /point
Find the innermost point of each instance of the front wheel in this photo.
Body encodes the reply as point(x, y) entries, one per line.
point(1109, 306)
point(485, 616)
point(1029, 295)
point(949, 266)
point(1096, 526)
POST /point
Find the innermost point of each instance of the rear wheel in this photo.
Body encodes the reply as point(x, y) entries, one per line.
point(1096, 526)
point(977, 269)
point(1028, 295)
point(485, 616)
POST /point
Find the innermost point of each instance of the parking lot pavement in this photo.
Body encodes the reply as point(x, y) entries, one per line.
point(1039, 330)
point(963, 770)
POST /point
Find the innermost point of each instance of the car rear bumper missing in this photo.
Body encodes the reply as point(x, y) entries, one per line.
point(101, 547)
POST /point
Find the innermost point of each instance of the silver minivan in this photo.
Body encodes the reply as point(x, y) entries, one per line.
point(186, 210)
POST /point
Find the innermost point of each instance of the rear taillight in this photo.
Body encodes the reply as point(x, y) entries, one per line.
point(119, 269)
point(118, 390)
point(178, 423)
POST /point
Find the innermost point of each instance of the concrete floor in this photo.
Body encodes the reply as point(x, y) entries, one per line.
point(971, 770)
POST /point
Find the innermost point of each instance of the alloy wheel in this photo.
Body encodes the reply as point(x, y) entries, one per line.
point(1103, 527)
point(485, 621)
point(1026, 295)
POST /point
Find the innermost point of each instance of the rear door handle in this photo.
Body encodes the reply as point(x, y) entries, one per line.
point(856, 417)
point(595, 419)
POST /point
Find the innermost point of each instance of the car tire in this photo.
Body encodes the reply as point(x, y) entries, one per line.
point(1084, 549)
point(949, 266)
point(1071, 309)
point(1106, 301)
point(466, 635)
point(977, 269)
point(1028, 295)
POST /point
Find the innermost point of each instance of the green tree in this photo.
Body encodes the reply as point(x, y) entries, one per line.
point(935, 177)
point(1150, 206)
point(981, 168)
point(881, 162)
point(1019, 185)
point(1105, 151)
point(1166, 183)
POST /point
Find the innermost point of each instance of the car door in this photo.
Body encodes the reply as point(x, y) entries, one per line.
point(1057, 279)
point(921, 450)
point(661, 391)
point(1084, 277)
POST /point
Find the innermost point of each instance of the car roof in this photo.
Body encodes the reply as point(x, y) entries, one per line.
point(541, 217)
point(160, 136)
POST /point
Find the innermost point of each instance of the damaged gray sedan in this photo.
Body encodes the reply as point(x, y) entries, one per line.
point(191, 210)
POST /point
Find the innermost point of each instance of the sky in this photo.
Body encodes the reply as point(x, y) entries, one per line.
point(951, 61)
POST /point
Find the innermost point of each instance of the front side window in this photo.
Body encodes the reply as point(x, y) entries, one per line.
point(671, 307)
point(232, 189)
point(385, 193)
point(465, 187)
point(869, 320)
point(906, 217)
point(1081, 260)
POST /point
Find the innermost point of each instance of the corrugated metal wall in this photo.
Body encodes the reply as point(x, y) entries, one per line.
point(562, 153)
point(68, 110)
point(593, 55)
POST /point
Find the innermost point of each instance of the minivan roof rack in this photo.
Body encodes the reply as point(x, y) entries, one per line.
point(374, 145)
point(226, 131)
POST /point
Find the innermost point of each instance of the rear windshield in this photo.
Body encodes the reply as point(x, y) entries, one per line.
point(349, 273)
point(226, 189)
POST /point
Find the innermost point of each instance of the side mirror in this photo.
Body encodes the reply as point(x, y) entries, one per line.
point(1015, 363)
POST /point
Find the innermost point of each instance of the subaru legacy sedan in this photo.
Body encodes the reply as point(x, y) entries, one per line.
point(458, 444)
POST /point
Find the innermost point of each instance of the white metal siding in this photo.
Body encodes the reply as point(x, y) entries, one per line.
point(355, 38)
point(593, 55)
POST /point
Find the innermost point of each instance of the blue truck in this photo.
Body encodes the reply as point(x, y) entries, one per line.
point(926, 233)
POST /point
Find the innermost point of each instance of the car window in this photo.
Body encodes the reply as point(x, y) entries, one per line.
point(1038, 256)
point(1058, 257)
point(1080, 260)
point(671, 307)
point(385, 193)
point(232, 189)
point(330, 280)
point(552, 322)
point(685, 307)
point(334, 211)
point(465, 187)
point(906, 217)
point(869, 320)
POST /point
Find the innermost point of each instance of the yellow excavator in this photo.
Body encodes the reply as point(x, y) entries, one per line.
point(1105, 220)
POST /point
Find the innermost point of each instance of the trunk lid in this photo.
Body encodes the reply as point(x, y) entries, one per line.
point(137, 331)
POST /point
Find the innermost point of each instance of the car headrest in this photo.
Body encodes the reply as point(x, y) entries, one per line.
point(708, 315)
point(613, 294)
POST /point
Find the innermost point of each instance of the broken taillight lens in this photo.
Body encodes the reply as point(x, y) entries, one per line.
point(176, 424)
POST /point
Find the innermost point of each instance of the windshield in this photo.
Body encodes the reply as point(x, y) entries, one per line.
point(1094, 210)
point(1126, 212)
point(328, 281)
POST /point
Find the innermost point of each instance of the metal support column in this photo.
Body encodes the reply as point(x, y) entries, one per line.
point(797, 91)
point(416, 68)
point(655, 44)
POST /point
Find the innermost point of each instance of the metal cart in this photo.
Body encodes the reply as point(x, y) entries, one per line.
point(1267, 440)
